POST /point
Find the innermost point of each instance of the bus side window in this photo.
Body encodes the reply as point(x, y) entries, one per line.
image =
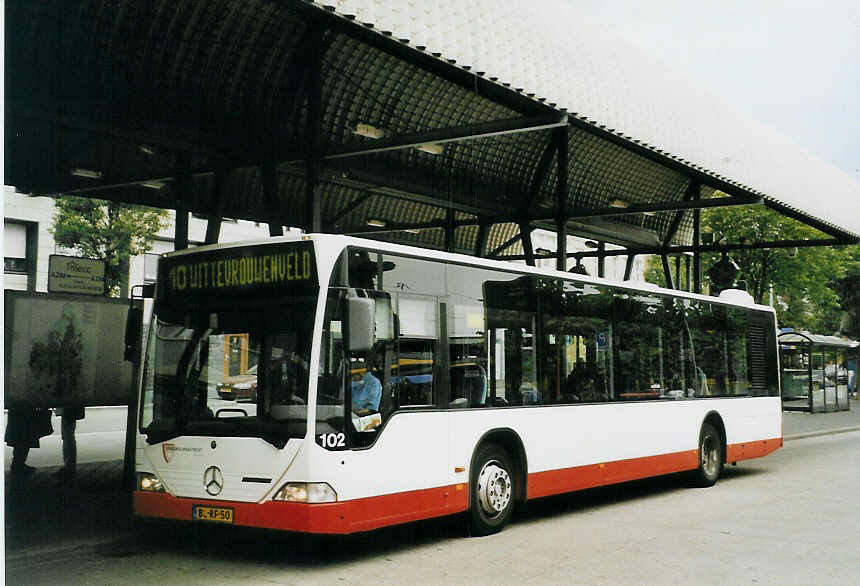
point(415, 368)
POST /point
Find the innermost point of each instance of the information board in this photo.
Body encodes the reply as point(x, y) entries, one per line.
point(71, 274)
point(65, 350)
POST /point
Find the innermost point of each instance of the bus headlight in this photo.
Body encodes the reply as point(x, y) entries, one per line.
point(149, 482)
point(306, 492)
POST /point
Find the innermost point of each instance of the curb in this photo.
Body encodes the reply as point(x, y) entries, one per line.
point(807, 434)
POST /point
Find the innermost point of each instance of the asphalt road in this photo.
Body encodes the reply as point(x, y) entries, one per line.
point(790, 518)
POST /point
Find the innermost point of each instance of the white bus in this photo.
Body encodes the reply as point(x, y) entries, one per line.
point(393, 384)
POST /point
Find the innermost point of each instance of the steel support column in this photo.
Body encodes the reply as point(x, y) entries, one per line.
point(526, 237)
point(219, 197)
point(601, 259)
point(313, 132)
point(697, 255)
point(272, 196)
point(481, 240)
point(689, 274)
point(181, 186)
point(628, 268)
point(449, 230)
point(667, 272)
point(561, 190)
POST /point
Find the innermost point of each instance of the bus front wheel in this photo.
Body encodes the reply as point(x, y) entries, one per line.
point(492, 490)
point(710, 457)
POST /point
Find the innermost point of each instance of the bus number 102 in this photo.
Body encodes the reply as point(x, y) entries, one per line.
point(332, 440)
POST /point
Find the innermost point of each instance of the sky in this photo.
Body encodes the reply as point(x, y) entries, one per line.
point(792, 65)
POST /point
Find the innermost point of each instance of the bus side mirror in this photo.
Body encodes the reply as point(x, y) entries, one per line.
point(362, 322)
point(134, 319)
point(133, 326)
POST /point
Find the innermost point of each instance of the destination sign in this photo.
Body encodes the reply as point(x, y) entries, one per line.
point(241, 272)
point(234, 270)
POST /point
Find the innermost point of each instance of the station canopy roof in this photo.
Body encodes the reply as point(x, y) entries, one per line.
point(429, 115)
point(816, 339)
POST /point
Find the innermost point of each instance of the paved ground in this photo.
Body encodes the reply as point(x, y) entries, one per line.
point(49, 518)
point(788, 520)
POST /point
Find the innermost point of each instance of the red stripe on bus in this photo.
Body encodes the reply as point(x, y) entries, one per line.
point(369, 513)
point(756, 449)
point(581, 477)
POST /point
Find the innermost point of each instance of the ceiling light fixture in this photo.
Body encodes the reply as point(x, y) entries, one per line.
point(376, 223)
point(618, 203)
point(153, 184)
point(431, 148)
point(87, 173)
point(369, 131)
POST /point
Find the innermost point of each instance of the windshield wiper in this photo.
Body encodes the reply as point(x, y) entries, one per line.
point(185, 381)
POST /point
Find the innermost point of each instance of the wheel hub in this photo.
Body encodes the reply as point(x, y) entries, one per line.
point(709, 455)
point(494, 488)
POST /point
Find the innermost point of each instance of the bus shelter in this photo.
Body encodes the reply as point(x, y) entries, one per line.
point(819, 373)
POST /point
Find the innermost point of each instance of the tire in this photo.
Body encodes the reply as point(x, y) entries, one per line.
point(710, 457)
point(492, 490)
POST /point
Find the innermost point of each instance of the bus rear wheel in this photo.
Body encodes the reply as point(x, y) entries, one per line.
point(710, 457)
point(492, 490)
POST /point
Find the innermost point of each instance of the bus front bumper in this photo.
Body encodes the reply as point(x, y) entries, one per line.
point(329, 518)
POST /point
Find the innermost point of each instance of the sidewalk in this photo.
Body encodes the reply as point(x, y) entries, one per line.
point(799, 424)
point(49, 518)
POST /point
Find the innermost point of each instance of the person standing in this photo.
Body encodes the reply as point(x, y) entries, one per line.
point(23, 429)
point(69, 417)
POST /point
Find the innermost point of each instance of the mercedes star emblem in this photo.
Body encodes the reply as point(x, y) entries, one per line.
point(213, 480)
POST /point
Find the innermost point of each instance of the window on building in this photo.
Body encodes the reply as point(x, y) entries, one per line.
point(15, 248)
point(150, 267)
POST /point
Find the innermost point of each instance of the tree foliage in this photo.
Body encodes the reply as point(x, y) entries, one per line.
point(107, 230)
point(848, 288)
point(809, 287)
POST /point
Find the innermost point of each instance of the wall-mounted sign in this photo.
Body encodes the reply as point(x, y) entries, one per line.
point(70, 274)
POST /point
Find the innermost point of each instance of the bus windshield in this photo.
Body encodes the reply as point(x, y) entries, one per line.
point(232, 372)
point(239, 371)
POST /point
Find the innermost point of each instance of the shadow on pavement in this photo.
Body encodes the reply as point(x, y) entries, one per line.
point(47, 511)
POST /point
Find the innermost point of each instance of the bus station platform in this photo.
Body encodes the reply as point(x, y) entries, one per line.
point(50, 518)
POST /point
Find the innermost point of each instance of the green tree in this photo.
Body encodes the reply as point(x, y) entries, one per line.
point(848, 288)
point(804, 280)
point(107, 230)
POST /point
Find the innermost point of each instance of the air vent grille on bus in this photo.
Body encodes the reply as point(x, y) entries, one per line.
point(757, 337)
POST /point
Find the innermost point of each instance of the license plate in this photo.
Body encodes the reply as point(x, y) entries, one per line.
point(213, 514)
